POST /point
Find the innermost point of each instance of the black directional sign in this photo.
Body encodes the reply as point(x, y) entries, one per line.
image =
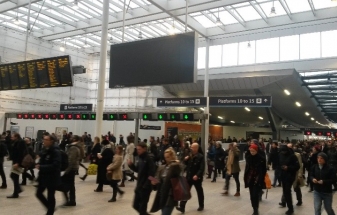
point(182, 102)
point(240, 101)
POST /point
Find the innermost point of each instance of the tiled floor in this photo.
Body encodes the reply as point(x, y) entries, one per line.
point(91, 203)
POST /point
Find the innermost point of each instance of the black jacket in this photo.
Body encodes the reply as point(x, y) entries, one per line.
point(274, 159)
point(107, 156)
point(290, 160)
point(255, 170)
point(93, 155)
point(219, 158)
point(19, 150)
point(145, 168)
point(195, 165)
point(327, 174)
point(332, 155)
point(50, 165)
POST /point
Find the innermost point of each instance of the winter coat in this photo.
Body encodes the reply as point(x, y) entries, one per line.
point(93, 155)
point(220, 158)
point(130, 148)
point(103, 163)
point(327, 174)
point(116, 167)
point(255, 170)
point(274, 159)
point(195, 165)
point(19, 149)
point(290, 160)
point(50, 167)
point(73, 153)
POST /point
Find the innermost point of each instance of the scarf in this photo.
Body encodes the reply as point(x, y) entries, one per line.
point(230, 161)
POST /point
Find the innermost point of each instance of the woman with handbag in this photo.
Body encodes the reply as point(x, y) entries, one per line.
point(130, 148)
point(104, 159)
point(114, 173)
point(96, 148)
point(164, 200)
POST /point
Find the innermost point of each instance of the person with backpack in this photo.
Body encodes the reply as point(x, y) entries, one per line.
point(49, 173)
point(164, 199)
point(68, 178)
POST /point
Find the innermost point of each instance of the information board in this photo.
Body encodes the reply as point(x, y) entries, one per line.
point(43, 73)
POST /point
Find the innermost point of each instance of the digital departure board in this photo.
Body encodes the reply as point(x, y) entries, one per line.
point(43, 73)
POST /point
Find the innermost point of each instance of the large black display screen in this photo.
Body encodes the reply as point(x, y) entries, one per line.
point(159, 61)
point(44, 73)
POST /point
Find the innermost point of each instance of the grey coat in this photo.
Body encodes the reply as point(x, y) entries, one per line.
point(74, 157)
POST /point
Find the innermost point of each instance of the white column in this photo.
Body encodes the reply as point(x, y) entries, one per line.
point(206, 92)
point(102, 69)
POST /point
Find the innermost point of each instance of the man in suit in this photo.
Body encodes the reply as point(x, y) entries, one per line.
point(195, 167)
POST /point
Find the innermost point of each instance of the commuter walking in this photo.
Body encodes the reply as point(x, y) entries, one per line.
point(25, 174)
point(68, 177)
point(49, 173)
point(219, 160)
point(145, 168)
point(322, 177)
point(130, 148)
point(210, 159)
point(274, 162)
point(18, 153)
point(115, 169)
point(104, 159)
point(255, 172)
point(195, 167)
point(96, 148)
point(3, 153)
point(233, 168)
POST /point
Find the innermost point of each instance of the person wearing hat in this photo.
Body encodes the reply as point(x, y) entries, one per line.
point(255, 172)
point(289, 166)
point(322, 176)
point(313, 161)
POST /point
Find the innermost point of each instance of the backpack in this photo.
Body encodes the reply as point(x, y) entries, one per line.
point(64, 160)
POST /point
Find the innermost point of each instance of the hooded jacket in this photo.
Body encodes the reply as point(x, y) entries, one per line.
point(289, 159)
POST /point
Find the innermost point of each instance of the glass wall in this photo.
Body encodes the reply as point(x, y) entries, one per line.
point(288, 48)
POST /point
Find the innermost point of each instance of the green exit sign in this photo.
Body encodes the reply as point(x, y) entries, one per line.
point(112, 117)
point(174, 116)
point(84, 116)
point(162, 116)
point(147, 116)
point(92, 116)
point(188, 117)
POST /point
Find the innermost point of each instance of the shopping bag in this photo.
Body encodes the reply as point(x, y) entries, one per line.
point(92, 169)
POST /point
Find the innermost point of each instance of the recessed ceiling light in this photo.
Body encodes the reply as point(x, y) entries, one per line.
point(287, 92)
point(260, 117)
point(202, 109)
point(298, 104)
point(312, 118)
point(62, 49)
point(306, 113)
point(247, 109)
point(220, 117)
point(232, 122)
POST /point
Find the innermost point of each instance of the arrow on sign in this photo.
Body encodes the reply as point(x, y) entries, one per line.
point(265, 100)
point(161, 101)
point(145, 116)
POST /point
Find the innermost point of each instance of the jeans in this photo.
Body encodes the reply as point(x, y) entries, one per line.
point(200, 192)
point(255, 193)
point(237, 181)
point(327, 200)
point(69, 182)
point(140, 201)
point(17, 188)
point(26, 175)
point(167, 210)
point(48, 202)
point(298, 192)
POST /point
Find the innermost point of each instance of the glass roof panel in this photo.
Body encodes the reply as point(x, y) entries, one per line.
point(298, 5)
point(226, 18)
point(204, 21)
point(248, 13)
point(266, 7)
point(241, 5)
point(320, 4)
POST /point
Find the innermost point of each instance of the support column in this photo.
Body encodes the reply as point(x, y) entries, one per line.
point(136, 131)
point(206, 92)
point(102, 69)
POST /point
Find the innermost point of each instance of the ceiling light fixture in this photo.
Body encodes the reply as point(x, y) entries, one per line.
point(76, 7)
point(63, 47)
point(17, 21)
point(306, 113)
point(249, 45)
point(218, 21)
point(312, 118)
point(172, 29)
point(220, 117)
point(140, 36)
point(298, 104)
point(287, 92)
point(247, 109)
point(202, 109)
point(273, 11)
point(232, 122)
point(111, 40)
point(260, 117)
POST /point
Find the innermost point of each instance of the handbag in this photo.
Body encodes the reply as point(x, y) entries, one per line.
point(27, 161)
point(180, 189)
point(109, 176)
point(92, 169)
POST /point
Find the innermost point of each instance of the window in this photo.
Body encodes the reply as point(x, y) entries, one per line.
point(247, 52)
point(289, 48)
point(201, 57)
point(310, 45)
point(267, 50)
point(215, 55)
point(230, 54)
point(329, 43)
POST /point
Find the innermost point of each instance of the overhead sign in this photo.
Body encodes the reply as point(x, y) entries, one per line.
point(240, 101)
point(150, 127)
point(182, 102)
point(75, 107)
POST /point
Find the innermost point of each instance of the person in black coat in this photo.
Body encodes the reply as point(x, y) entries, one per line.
point(274, 162)
point(219, 159)
point(312, 162)
point(49, 167)
point(3, 153)
point(195, 167)
point(104, 159)
point(96, 148)
point(255, 172)
point(8, 142)
point(26, 175)
point(332, 156)
point(289, 165)
point(18, 153)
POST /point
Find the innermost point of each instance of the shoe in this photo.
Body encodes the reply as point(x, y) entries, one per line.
point(310, 191)
point(225, 193)
point(299, 203)
point(3, 186)
point(182, 210)
point(283, 205)
point(13, 197)
point(237, 194)
point(213, 181)
point(122, 185)
point(200, 209)
point(121, 194)
point(289, 212)
point(98, 190)
point(132, 179)
point(112, 200)
point(23, 184)
point(68, 204)
point(83, 178)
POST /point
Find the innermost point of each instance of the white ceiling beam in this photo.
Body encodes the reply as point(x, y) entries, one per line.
point(137, 2)
point(222, 27)
point(312, 6)
point(239, 19)
point(286, 8)
point(12, 6)
point(258, 9)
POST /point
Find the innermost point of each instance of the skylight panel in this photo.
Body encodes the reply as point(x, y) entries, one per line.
point(320, 4)
point(298, 5)
point(248, 13)
point(205, 22)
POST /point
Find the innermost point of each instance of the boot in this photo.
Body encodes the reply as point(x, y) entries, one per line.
point(114, 195)
point(122, 184)
point(256, 211)
point(3, 186)
point(84, 177)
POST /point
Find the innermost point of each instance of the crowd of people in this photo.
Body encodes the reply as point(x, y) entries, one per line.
point(154, 163)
